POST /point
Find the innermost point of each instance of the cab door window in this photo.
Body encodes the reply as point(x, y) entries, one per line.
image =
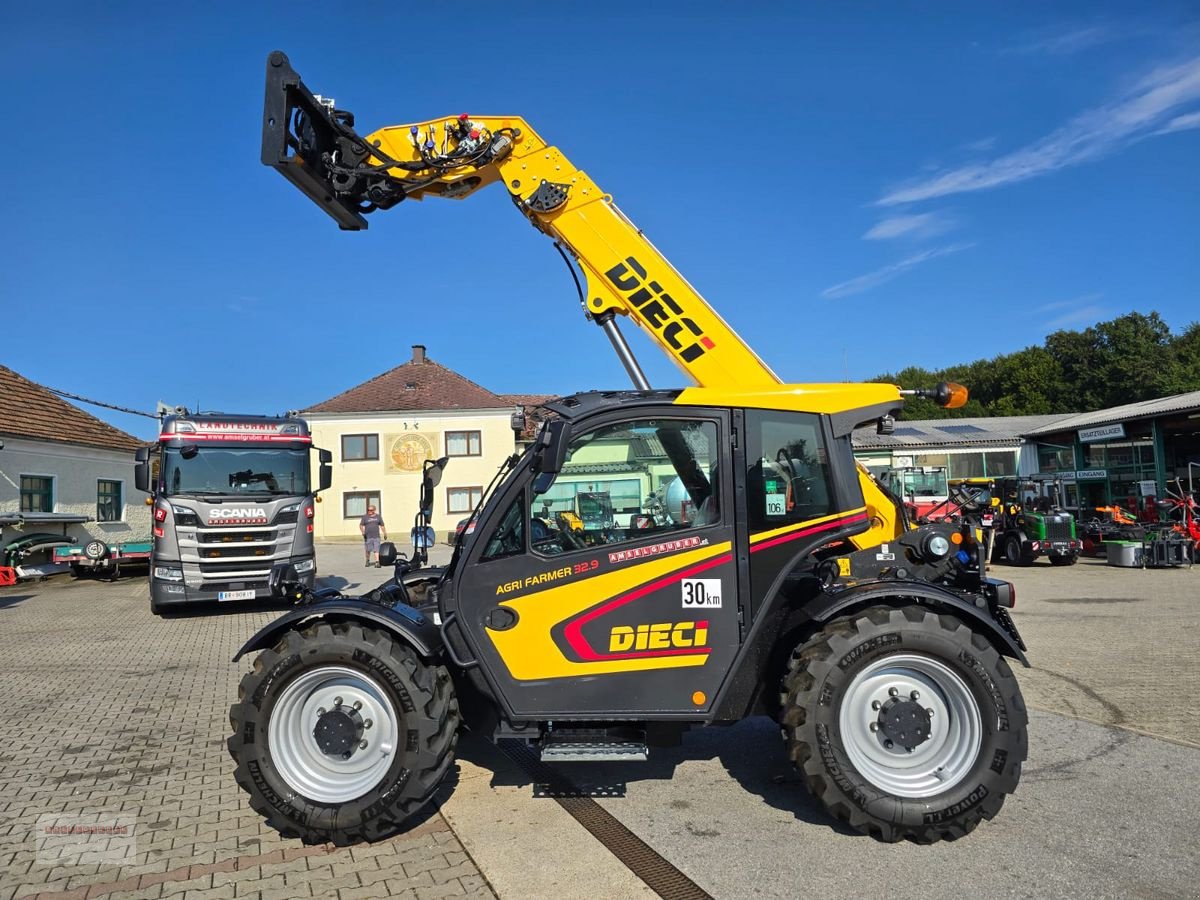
point(629, 480)
point(788, 477)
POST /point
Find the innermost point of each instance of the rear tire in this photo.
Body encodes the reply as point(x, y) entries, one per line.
point(974, 741)
point(1014, 552)
point(306, 789)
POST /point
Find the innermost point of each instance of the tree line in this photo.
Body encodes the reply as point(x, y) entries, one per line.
point(1127, 359)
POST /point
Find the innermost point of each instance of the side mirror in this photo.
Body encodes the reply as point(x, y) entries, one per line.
point(551, 447)
point(325, 477)
point(324, 457)
point(141, 471)
point(432, 477)
point(387, 554)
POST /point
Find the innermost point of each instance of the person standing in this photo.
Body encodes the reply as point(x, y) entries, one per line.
point(373, 531)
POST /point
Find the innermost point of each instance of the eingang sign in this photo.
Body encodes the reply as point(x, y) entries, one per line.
point(1102, 433)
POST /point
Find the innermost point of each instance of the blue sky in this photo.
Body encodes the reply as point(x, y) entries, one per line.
point(914, 184)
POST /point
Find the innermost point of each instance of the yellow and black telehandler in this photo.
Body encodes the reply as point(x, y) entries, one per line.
point(776, 577)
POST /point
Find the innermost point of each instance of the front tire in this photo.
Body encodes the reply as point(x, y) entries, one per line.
point(904, 723)
point(341, 733)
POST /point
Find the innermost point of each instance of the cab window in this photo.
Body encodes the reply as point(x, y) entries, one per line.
point(509, 537)
point(788, 477)
point(627, 481)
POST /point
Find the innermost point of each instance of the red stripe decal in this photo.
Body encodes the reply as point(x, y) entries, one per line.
point(805, 532)
point(580, 645)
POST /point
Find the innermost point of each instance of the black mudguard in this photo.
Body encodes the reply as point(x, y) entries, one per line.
point(404, 622)
point(831, 604)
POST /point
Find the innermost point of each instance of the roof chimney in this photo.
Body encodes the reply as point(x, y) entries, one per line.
point(418, 353)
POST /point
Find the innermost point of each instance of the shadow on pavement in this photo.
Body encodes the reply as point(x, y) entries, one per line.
point(13, 599)
point(751, 752)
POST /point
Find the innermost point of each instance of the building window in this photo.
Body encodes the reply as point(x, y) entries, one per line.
point(463, 443)
point(109, 504)
point(357, 447)
point(355, 503)
point(37, 493)
point(463, 499)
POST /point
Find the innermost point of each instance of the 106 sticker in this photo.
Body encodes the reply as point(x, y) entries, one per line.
point(701, 593)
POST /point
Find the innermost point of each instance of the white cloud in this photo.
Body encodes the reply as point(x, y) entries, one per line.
point(923, 225)
point(887, 273)
point(1137, 114)
point(1066, 41)
point(1068, 304)
point(1181, 123)
point(1085, 315)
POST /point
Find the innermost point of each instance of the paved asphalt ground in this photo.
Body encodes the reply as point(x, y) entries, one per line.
point(110, 710)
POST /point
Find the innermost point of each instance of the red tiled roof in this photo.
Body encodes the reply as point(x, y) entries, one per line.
point(29, 410)
point(419, 384)
point(528, 400)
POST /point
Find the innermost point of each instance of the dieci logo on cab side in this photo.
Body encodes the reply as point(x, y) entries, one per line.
point(659, 636)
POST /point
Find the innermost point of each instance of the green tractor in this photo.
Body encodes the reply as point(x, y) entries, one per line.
point(1028, 526)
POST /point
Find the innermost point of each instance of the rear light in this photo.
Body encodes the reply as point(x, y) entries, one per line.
point(1012, 596)
point(160, 514)
point(158, 532)
point(310, 531)
point(308, 511)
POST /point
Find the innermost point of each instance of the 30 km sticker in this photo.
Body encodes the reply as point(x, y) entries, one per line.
point(701, 593)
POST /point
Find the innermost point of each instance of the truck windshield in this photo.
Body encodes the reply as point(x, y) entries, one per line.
point(925, 484)
point(222, 471)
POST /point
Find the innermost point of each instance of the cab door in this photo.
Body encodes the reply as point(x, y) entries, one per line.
point(611, 590)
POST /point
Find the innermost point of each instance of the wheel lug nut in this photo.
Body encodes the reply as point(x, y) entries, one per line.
point(888, 744)
point(320, 710)
point(916, 695)
point(874, 726)
point(337, 701)
point(909, 749)
point(362, 745)
point(929, 711)
point(358, 703)
point(346, 755)
point(367, 723)
point(893, 692)
point(875, 704)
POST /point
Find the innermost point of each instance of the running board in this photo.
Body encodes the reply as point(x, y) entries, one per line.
point(594, 751)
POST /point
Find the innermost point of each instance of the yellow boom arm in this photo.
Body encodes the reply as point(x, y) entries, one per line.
point(314, 145)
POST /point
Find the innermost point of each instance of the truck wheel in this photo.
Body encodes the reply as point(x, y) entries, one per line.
point(340, 733)
point(1064, 560)
point(904, 723)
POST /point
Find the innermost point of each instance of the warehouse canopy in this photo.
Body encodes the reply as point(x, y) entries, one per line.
point(1146, 409)
point(995, 431)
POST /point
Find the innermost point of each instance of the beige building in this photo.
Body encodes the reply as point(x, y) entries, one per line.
point(382, 431)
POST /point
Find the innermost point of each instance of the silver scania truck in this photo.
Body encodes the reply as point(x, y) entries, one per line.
point(233, 498)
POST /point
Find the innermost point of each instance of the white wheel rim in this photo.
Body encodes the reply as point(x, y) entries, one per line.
point(939, 762)
point(295, 752)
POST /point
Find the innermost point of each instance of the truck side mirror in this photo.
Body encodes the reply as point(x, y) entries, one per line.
point(141, 471)
point(325, 477)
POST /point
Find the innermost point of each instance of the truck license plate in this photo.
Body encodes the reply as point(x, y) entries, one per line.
point(235, 595)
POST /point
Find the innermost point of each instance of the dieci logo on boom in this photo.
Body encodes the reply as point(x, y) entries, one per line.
point(659, 636)
point(663, 312)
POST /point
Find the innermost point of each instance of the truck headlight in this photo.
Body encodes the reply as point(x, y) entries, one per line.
point(166, 573)
point(305, 565)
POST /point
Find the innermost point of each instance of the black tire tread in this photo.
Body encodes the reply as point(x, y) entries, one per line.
point(798, 695)
point(437, 702)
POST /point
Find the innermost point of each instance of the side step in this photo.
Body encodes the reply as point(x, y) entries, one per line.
point(588, 745)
